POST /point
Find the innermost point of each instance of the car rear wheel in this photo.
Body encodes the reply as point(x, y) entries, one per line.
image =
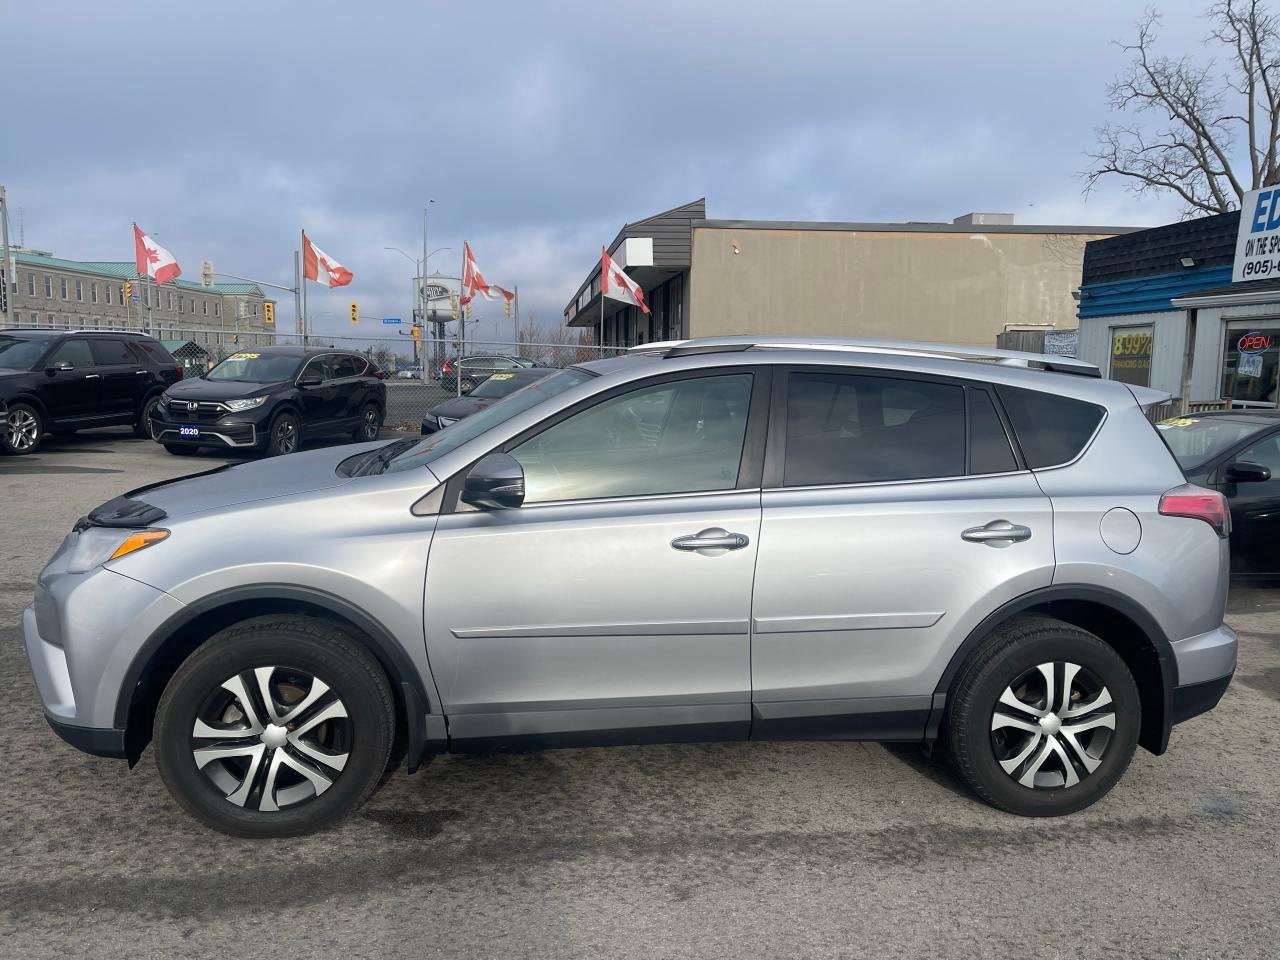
point(283, 436)
point(1043, 718)
point(24, 428)
point(370, 424)
point(278, 726)
point(144, 427)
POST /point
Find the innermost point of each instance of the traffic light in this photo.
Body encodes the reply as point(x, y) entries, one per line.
point(269, 313)
point(417, 331)
point(355, 312)
point(128, 289)
point(453, 304)
point(235, 338)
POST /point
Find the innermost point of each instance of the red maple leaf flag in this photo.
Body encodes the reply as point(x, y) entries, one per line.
point(316, 262)
point(153, 260)
point(473, 280)
point(616, 284)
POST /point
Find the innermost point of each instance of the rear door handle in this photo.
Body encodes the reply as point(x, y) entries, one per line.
point(997, 533)
point(712, 538)
point(93, 376)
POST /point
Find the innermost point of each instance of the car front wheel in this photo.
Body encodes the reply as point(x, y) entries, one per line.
point(1043, 718)
point(283, 435)
point(144, 427)
point(277, 726)
point(370, 424)
point(23, 429)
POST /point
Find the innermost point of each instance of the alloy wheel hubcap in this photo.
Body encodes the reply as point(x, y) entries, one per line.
point(1052, 725)
point(371, 424)
point(24, 430)
point(271, 738)
point(286, 436)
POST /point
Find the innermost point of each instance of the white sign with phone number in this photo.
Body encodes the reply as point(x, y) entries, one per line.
point(1258, 239)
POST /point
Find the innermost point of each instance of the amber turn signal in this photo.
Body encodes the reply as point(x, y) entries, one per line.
point(136, 541)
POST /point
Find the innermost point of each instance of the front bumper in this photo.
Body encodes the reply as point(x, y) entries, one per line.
point(234, 430)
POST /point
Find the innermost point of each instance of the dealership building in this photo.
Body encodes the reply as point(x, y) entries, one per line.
point(965, 281)
point(1158, 308)
point(55, 293)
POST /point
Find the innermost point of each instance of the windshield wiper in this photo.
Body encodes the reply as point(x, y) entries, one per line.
point(381, 458)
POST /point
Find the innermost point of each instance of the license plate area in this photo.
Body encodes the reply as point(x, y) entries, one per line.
point(188, 430)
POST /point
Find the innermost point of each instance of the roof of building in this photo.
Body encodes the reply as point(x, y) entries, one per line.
point(913, 226)
point(1209, 241)
point(126, 270)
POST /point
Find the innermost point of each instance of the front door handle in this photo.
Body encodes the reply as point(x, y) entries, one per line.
point(93, 376)
point(997, 533)
point(712, 538)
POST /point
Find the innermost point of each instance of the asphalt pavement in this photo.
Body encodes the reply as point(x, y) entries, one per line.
point(761, 850)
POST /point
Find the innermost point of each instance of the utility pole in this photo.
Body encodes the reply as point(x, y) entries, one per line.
point(9, 278)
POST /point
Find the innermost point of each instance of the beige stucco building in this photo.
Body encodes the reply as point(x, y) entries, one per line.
point(959, 282)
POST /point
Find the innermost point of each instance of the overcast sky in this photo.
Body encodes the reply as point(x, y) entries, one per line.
point(539, 128)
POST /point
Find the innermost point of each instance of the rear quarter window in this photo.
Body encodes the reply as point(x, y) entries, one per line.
point(1051, 429)
point(155, 351)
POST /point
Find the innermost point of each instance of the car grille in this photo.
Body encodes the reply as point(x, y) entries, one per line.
point(205, 411)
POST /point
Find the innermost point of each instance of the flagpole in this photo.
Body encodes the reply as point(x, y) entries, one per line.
point(297, 294)
point(303, 285)
point(600, 339)
point(517, 330)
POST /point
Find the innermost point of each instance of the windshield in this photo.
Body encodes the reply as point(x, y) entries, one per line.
point(452, 437)
point(1194, 442)
point(256, 367)
point(20, 353)
point(501, 384)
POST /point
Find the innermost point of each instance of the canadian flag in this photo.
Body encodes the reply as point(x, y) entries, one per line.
point(153, 260)
point(615, 283)
point(315, 262)
point(473, 280)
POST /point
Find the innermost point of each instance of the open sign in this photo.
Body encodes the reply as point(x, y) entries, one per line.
point(1251, 343)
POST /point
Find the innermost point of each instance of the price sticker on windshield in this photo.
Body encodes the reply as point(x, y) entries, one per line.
point(1176, 422)
point(244, 356)
point(501, 376)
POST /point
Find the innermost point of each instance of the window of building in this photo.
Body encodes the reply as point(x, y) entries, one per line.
point(62, 283)
point(93, 292)
point(146, 296)
point(35, 319)
point(31, 284)
point(1251, 363)
point(80, 290)
point(204, 307)
point(677, 307)
point(679, 437)
point(1051, 429)
point(1131, 355)
point(48, 287)
point(217, 308)
point(180, 304)
point(170, 298)
point(856, 429)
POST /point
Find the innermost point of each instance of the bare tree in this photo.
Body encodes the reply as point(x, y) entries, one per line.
point(1215, 132)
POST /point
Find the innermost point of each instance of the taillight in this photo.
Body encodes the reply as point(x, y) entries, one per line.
point(447, 368)
point(180, 370)
point(1198, 503)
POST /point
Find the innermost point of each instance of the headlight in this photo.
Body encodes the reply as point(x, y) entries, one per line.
point(236, 406)
point(96, 545)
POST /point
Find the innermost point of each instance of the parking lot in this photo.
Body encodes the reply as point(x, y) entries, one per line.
point(789, 850)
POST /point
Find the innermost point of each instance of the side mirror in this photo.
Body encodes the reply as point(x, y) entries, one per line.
point(61, 367)
point(310, 380)
point(1243, 471)
point(496, 482)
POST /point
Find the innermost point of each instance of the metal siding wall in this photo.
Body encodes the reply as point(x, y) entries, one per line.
point(1170, 335)
point(1094, 344)
point(1206, 381)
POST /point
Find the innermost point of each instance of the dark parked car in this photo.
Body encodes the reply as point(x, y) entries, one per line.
point(1238, 453)
point(269, 399)
point(473, 370)
point(58, 381)
point(489, 392)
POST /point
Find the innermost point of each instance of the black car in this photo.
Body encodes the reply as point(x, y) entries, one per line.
point(1238, 453)
point(58, 381)
point(489, 392)
point(473, 370)
point(269, 399)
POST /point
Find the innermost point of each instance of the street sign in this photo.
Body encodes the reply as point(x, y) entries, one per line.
point(1258, 239)
point(391, 320)
point(136, 298)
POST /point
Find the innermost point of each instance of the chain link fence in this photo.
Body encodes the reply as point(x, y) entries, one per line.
point(421, 372)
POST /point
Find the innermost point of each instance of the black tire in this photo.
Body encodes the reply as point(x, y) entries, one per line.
point(24, 428)
point(181, 449)
point(293, 646)
point(370, 424)
point(283, 436)
point(142, 427)
point(1013, 655)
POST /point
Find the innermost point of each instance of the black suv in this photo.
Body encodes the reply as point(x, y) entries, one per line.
point(473, 370)
point(58, 381)
point(271, 398)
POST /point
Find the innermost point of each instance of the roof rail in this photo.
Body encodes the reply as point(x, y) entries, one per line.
point(948, 351)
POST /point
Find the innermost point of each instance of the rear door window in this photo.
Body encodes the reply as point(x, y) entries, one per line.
point(848, 428)
point(347, 366)
point(112, 352)
point(1051, 429)
point(989, 449)
point(154, 351)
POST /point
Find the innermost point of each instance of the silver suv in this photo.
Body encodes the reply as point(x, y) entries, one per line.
point(718, 539)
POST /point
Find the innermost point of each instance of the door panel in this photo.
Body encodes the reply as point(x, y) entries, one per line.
point(71, 394)
point(866, 591)
point(319, 404)
point(124, 378)
point(581, 616)
point(1255, 512)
